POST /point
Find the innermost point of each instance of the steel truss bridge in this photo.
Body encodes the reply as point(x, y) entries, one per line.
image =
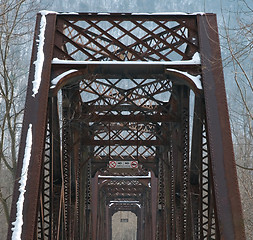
point(139, 89)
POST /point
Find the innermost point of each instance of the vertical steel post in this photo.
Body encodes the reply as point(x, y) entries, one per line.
point(219, 134)
point(35, 115)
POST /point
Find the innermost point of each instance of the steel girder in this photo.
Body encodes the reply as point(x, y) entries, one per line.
point(119, 87)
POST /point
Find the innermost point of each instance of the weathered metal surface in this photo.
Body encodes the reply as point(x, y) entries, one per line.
point(36, 115)
point(219, 134)
point(121, 91)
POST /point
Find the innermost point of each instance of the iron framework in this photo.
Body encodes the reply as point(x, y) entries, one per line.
point(122, 87)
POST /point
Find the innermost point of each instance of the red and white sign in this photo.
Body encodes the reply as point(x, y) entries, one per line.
point(134, 164)
point(123, 164)
point(112, 164)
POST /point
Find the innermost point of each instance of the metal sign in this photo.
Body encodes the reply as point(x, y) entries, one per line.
point(134, 164)
point(112, 164)
point(123, 164)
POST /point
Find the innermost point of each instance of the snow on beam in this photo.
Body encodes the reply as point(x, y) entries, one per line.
point(40, 56)
point(55, 81)
point(133, 14)
point(17, 225)
point(194, 79)
point(194, 61)
point(40, 52)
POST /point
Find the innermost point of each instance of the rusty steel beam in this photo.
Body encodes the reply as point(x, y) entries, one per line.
point(219, 134)
point(35, 115)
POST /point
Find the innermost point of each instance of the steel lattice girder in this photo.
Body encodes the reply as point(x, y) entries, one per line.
point(125, 82)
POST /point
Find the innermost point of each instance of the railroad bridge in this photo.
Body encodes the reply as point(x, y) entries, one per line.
point(126, 112)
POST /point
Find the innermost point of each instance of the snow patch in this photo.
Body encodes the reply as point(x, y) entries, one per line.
point(170, 13)
point(196, 58)
point(195, 79)
point(140, 13)
point(194, 61)
point(45, 12)
point(103, 13)
point(58, 78)
point(17, 225)
point(69, 13)
point(40, 54)
point(199, 13)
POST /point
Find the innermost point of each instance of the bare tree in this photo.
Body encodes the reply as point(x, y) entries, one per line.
point(16, 26)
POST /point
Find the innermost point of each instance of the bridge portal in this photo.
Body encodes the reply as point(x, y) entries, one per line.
point(126, 113)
